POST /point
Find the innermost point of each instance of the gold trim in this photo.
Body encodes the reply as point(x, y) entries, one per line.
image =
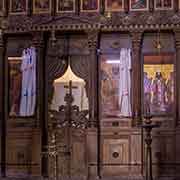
point(39, 11)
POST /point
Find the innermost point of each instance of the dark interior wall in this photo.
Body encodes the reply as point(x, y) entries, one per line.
point(16, 44)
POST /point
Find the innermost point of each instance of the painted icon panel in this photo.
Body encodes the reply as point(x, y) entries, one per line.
point(65, 6)
point(139, 5)
point(114, 5)
point(89, 5)
point(163, 4)
point(41, 6)
point(18, 7)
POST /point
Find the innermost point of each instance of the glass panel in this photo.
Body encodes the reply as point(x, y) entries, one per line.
point(15, 83)
point(61, 88)
point(115, 88)
point(158, 84)
point(22, 83)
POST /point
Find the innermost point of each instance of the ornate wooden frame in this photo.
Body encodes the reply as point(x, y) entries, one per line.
point(113, 10)
point(58, 11)
point(97, 10)
point(39, 10)
point(140, 9)
point(18, 13)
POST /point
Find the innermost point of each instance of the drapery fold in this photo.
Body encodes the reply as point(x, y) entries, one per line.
point(125, 83)
point(28, 89)
point(80, 67)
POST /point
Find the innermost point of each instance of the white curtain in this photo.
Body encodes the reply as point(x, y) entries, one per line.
point(28, 90)
point(125, 83)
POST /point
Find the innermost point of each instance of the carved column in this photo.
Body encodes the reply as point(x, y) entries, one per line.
point(177, 92)
point(92, 44)
point(93, 90)
point(42, 116)
point(151, 5)
point(136, 76)
point(2, 110)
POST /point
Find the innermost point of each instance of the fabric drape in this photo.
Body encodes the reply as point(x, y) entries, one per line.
point(125, 82)
point(56, 67)
point(28, 90)
point(80, 67)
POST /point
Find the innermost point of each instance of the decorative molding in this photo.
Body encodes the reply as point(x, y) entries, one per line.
point(118, 22)
point(92, 39)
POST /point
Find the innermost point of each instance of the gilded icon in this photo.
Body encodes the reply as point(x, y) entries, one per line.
point(89, 5)
point(114, 5)
point(139, 5)
point(18, 6)
point(163, 4)
point(41, 6)
point(65, 6)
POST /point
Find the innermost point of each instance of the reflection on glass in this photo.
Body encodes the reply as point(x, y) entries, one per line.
point(158, 84)
point(116, 85)
point(15, 83)
point(61, 87)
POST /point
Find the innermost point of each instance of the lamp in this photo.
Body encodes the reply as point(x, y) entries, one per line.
point(158, 44)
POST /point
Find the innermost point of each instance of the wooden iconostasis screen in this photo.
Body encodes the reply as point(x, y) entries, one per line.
point(158, 74)
point(115, 76)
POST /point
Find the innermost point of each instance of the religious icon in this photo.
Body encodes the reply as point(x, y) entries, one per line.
point(170, 89)
point(159, 92)
point(114, 5)
point(41, 6)
point(137, 5)
point(65, 6)
point(158, 85)
point(163, 4)
point(89, 5)
point(15, 77)
point(18, 6)
point(147, 92)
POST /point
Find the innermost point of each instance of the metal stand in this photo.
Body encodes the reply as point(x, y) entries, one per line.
point(148, 126)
